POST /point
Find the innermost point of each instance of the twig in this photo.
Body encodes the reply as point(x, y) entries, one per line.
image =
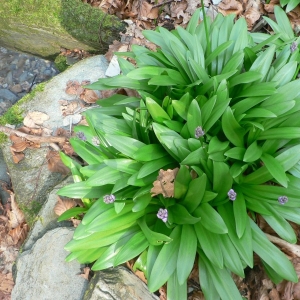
point(33, 138)
point(163, 3)
point(294, 249)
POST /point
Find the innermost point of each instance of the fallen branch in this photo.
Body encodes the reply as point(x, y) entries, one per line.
point(163, 3)
point(293, 249)
point(33, 138)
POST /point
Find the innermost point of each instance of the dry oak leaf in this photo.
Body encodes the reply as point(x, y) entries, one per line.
point(35, 119)
point(252, 15)
point(19, 144)
point(67, 107)
point(6, 285)
point(63, 205)
point(86, 272)
point(55, 164)
point(227, 7)
point(165, 183)
point(19, 233)
point(74, 88)
point(16, 216)
point(89, 96)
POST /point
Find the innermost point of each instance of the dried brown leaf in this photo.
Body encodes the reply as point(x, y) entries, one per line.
point(165, 183)
point(35, 119)
point(74, 88)
point(227, 7)
point(67, 107)
point(55, 164)
point(19, 144)
point(63, 205)
point(252, 15)
point(86, 272)
point(148, 12)
point(16, 216)
point(6, 285)
point(16, 156)
point(89, 96)
point(269, 7)
point(19, 233)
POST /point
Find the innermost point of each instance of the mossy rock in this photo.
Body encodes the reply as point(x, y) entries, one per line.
point(41, 27)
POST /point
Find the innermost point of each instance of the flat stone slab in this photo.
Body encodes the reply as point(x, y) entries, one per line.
point(42, 272)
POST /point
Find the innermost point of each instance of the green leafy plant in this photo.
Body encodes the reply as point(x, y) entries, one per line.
point(290, 4)
point(180, 173)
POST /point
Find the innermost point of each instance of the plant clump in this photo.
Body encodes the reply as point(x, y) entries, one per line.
point(180, 173)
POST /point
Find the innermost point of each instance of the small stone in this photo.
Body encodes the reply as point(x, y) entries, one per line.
point(8, 95)
point(17, 88)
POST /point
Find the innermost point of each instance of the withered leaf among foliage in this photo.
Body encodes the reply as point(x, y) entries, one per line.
point(19, 144)
point(63, 205)
point(74, 88)
point(227, 7)
point(6, 285)
point(15, 215)
point(86, 272)
point(19, 233)
point(55, 164)
point(67, 107)
point(17, 156)
point(35, 119)
point(165, 183)
point(89, 96)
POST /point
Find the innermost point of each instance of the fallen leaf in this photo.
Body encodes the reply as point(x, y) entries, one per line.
point(67, 107)
point(55, 164)
point(6, 285)
point(89, 96)
point(63, 205)
point(19, 144)
point(19, 233)
point(16, 216)
point(269, 7)
point(86, 272)
point(148, 12)
point(227, 7)
point(74, 88)
point(165, 183)
point(16, 156)
point(252, 15)
point(68, 149)
point(35, 119)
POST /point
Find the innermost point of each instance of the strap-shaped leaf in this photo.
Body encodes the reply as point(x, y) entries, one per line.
point(166, 261)
point(240, 213)
point(86, 255)
point(194, 157)
point(210, 219)
point(263, 247)
point(233, 131)
point(178, 214)
point(128, 166)
point(236, 153)
point(187, 253)
point(104, 176)
point(156, 111)
point(252, 153)
point(209, 243)
point(221, 280)
point(195, 193)
point(246, 77)
point(72, 212)
point(176, 291)
point(194, 117)
point(275, 168)
point(182, 181)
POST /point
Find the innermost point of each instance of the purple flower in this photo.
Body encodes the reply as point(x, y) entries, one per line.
point(283, 199)
point(231, 195)
point(81, 136)
point(163, 214)
point(293, 47)
point(199, 132)
point(109, 199)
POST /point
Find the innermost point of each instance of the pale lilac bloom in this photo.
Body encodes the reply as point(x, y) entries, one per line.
point(95, 141)
point(163, 214)
point(293, 47)
point(231, 195)
point(81, 136)
point(199, 132)
point(109, 199)
point(283, 199)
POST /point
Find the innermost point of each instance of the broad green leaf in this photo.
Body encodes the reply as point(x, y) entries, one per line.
point(177, 291)
point(210, 219)
point(246, 77)
point(195, 193)
point(154, 238)
point(165, 263)
point(72, 212)
point(236, 153)
point(104, 176)
point(209, 243)
point(195, 157)
point(215, 145)
point(150, 152)
point(259, 89)
point(74, 166)
point(275, 168)
point(141, 202)
point(283, 21)
point(240, 213)
point(182, 181)
point(279, 133)
point(156, 111)
point(221, 279)
point(233, 131)
point(153, 166)
point(194, 117)
point(178, 214)
point(263, 247)
point(252, 153)
point(187, 253)
point(135, 246)
point(128, 166)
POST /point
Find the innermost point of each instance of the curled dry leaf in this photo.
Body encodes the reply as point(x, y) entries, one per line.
point(227, 7)
point(89, 96)
point(19, 233)
point(165, 183)
point(67, 107)
point(55, 164)
point(35, 119)
point(269, 7)
point(63, 205)
point(19, 144)
point(16, 216)
point(6, 285)
point(74, 88)
point(252, 15)
point(86, 272)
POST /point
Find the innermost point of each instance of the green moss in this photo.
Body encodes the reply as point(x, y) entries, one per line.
point(14, 115)
point(31, 212)
point(61, 63)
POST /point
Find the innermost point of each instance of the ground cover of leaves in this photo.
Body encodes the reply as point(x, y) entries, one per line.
point(139, 15)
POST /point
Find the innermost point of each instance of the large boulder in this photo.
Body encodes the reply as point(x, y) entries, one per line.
point(42, 27)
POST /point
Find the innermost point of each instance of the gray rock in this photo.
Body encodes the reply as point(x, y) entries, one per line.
point(117, 284)
point(23, 76)
point(4, 178)
point(46, 219)
point(8, 95)
point(42, 272)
